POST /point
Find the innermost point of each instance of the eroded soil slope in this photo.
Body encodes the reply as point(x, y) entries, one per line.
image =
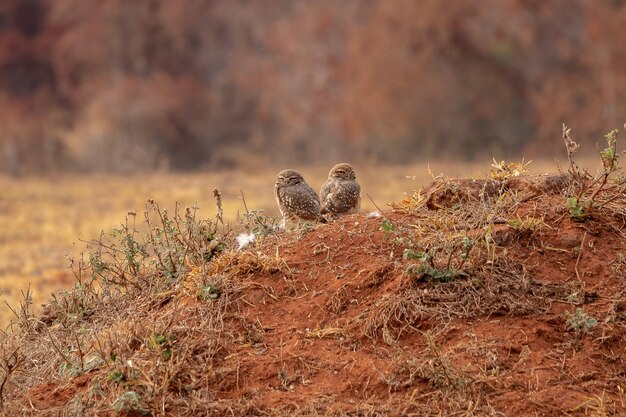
point(485, 299)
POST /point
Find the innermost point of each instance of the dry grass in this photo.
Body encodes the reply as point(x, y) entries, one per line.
point(165, 319)
point(164, 273)
point(43, 219)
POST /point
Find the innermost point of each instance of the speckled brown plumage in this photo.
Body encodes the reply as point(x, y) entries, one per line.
point(341, 194)
point(296, 200)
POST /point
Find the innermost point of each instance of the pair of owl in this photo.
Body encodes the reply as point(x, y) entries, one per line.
point(298, 202)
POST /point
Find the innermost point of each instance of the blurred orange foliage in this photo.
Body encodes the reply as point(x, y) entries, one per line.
point(119, 86)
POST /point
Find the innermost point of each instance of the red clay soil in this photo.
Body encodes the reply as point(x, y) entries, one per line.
point(531, 365)
point(318, 341)
point(51, 394)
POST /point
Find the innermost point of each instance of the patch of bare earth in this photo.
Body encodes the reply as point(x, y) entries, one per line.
point(469, 298)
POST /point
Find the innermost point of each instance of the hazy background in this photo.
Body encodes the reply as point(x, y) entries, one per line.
point(187, 95)
point(121, 86)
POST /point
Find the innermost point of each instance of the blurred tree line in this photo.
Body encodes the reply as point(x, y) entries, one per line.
point(126, 86)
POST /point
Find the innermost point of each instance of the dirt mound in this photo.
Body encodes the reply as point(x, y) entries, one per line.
point(499, 303)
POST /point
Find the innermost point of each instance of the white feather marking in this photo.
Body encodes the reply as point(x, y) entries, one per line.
point(244, 239)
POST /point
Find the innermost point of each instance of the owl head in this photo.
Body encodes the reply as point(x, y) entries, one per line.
point(343, 171)
point(288, 177)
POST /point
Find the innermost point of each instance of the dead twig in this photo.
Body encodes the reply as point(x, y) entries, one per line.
point(218, 203)
point(580, 252)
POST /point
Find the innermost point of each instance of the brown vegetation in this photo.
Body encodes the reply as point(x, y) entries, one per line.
point(41, 219)
point(116, 86)
point(511, 303)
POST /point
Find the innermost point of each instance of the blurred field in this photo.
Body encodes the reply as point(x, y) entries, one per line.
point(42, 220)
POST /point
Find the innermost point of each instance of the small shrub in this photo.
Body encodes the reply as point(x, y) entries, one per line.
point(594, 193)
point(116, 376)
point(387, 227)
point(162, 343)
point(579, 321)
point(425, 272)
point(578, 209)
point(428, 270)
point(526, 227)
point(209, 292)
point(501, 170)
point(129, 402)
point(129, 258)
point(262, 225)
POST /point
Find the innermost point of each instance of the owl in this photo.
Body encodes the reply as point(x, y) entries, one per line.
point(297, 201)
point(341, 194)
